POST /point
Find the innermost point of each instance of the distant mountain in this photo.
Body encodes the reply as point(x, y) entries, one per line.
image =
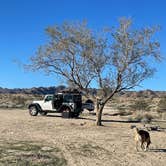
point(34, 90)
point(144, 93)
point(51, 90)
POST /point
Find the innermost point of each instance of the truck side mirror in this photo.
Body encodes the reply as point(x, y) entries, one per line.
point(45, 100)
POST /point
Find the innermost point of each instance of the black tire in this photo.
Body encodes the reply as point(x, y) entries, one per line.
point(43, 113)
point(33, 111)
point(66, 113)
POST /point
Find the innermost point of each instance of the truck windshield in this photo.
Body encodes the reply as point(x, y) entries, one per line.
point(48, 98)
point(72, 98)
point(68, 98)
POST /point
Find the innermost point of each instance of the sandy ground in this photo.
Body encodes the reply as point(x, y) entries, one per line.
point(81, 142)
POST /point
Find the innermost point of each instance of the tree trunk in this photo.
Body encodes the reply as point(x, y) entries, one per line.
point(98, 118)
point(99, 114)
point(101, 104)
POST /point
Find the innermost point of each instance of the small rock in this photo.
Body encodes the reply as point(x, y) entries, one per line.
point(82, 124)
point(46, 148)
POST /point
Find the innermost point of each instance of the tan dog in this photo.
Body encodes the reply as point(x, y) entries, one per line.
point(142, 137)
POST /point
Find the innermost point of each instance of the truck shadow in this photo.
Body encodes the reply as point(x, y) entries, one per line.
point(53, 116)
point(86, 118)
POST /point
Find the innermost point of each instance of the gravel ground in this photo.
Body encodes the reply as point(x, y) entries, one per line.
point(80, 142)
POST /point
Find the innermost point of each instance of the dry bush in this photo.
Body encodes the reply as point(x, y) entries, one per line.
point(140, 105)
point(161, 108)
point(162, 105)
point(17, 100)
point(142, 117)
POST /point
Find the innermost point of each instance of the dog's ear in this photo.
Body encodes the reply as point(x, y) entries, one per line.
point(132, 126)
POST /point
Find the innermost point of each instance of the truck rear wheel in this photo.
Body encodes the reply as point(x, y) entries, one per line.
point(33, 111)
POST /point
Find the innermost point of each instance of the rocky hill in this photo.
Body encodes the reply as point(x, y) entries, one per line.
point(144, 93)
point(34, 90)
point(51, 90)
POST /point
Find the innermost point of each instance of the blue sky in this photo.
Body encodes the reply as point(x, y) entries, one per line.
point(22, 24)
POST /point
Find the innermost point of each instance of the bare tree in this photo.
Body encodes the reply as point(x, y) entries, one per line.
point(66, 54)
point(114, 60)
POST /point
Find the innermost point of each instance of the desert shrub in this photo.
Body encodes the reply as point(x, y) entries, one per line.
point(161, 107)
point(20, 100)
point(121, 107)
point(147, 118)
point(163, 115)
point(139, 105)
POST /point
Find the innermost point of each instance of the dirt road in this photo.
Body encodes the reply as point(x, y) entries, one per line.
point(74, 142)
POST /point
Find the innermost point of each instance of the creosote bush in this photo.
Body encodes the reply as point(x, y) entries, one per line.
point(162, 105)
point(140, 105)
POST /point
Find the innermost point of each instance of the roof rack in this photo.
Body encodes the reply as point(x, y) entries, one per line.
point(71, 90)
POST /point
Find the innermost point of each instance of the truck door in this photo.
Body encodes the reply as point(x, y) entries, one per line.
point(57, 101)
point(47, 104)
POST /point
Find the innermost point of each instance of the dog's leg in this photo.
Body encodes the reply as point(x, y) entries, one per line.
point(136, 145)
point(142, 145)
point(148, 143)
point(145, 147)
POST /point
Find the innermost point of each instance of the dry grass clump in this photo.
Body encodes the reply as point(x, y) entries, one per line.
point(28, 153)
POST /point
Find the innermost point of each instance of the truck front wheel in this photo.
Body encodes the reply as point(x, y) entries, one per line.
point(33, 111)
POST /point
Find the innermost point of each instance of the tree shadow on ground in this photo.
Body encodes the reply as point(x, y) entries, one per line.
point(106, 120)
point(123, 113)
point(158, 150)
point(121, 121)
